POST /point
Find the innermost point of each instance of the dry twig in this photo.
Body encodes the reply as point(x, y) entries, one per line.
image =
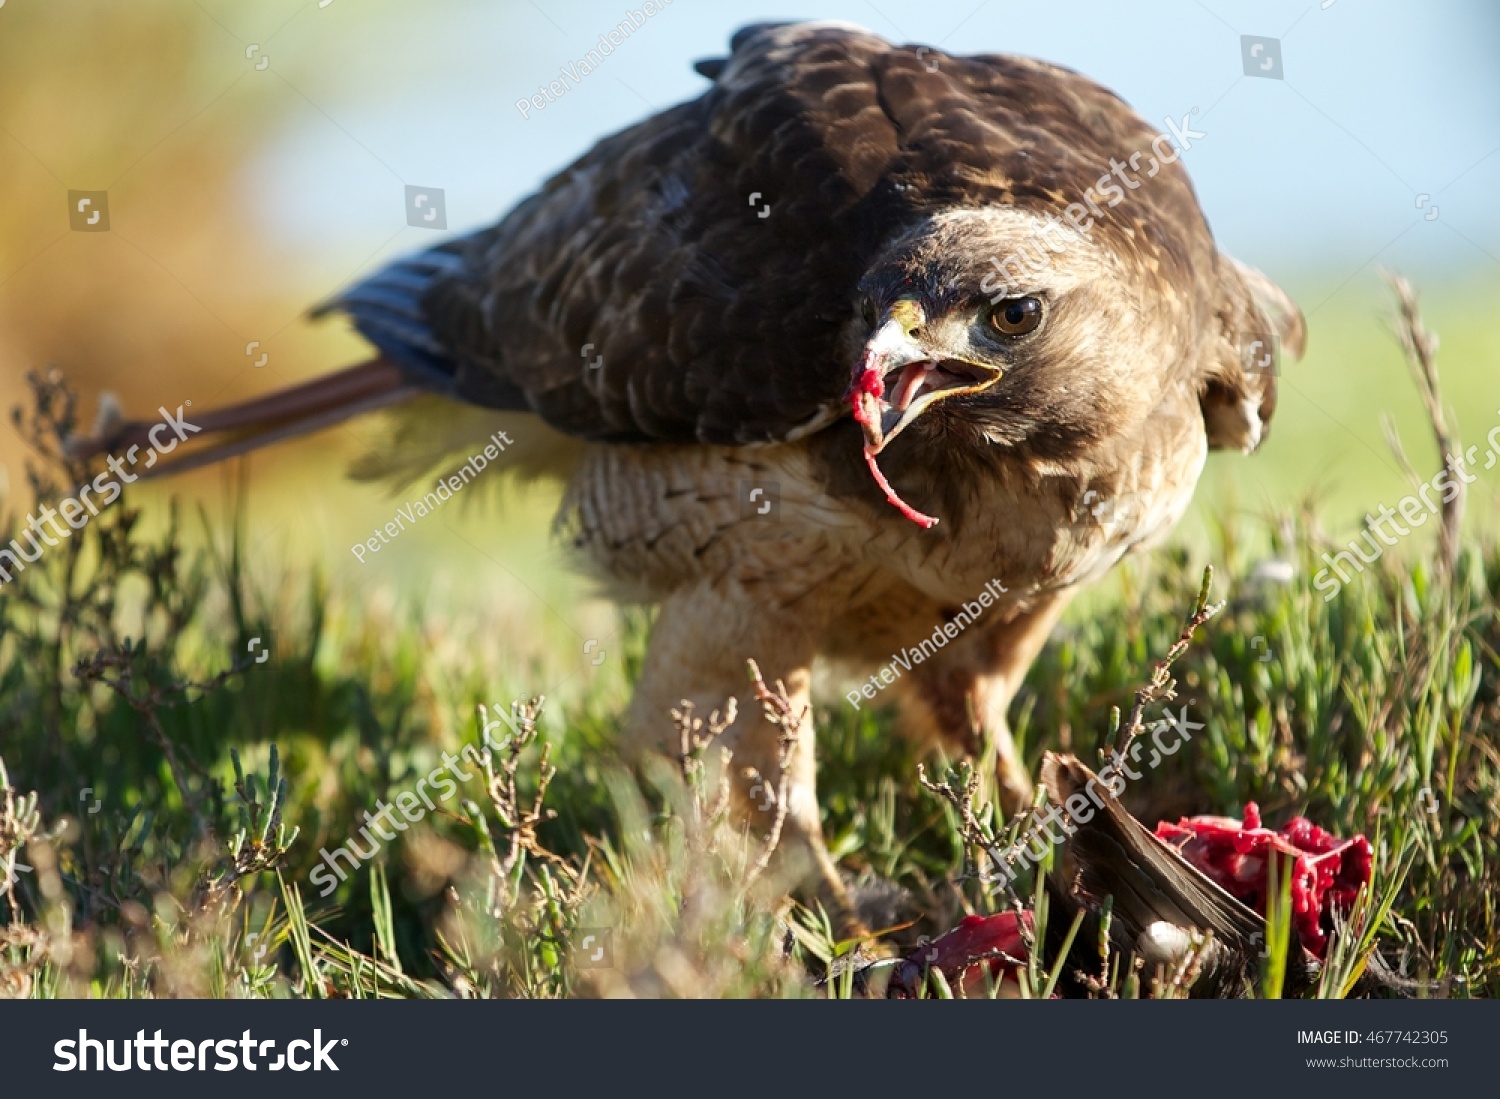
point(1162, 687)
point(505, 798)
point(1421, 346)
point(779, 712)
point(694, 737)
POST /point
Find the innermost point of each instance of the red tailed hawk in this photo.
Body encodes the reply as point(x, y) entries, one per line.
point(871, 352)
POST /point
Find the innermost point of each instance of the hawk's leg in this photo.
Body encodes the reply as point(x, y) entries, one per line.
point(703, 636)
point(959, 698)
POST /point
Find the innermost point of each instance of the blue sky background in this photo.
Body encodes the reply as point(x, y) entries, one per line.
point(1320, 172)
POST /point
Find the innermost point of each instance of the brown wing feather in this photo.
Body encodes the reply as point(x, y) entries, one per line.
point(1112, 854)
point(720, 326)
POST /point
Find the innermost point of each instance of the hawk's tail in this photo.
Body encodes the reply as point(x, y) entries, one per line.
point(388, 309)
point(286, 413)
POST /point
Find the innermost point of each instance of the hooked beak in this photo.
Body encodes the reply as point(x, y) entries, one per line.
point(898, 380)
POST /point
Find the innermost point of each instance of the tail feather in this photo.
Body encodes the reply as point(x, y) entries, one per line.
point(389, 310)
point(287, 413)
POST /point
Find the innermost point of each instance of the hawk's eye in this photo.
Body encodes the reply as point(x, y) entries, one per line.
point(1016, 316)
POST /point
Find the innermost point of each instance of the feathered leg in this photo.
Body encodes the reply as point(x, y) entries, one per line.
point(959, 698)
point(703, 637)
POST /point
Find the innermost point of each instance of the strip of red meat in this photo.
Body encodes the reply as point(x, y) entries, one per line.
point(960, 954)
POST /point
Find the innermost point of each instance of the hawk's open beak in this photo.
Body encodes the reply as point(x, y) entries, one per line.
point(898, 380)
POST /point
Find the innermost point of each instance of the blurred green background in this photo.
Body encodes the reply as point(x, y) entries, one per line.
point(255, 156)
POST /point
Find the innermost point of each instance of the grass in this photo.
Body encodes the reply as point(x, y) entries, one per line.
point(126, 678)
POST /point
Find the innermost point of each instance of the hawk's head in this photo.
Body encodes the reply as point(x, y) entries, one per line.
point(1007, 326)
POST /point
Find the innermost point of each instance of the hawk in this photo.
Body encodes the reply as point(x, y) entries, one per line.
point(870, 352)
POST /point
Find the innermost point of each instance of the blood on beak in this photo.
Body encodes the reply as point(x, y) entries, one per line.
point(898, 380)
